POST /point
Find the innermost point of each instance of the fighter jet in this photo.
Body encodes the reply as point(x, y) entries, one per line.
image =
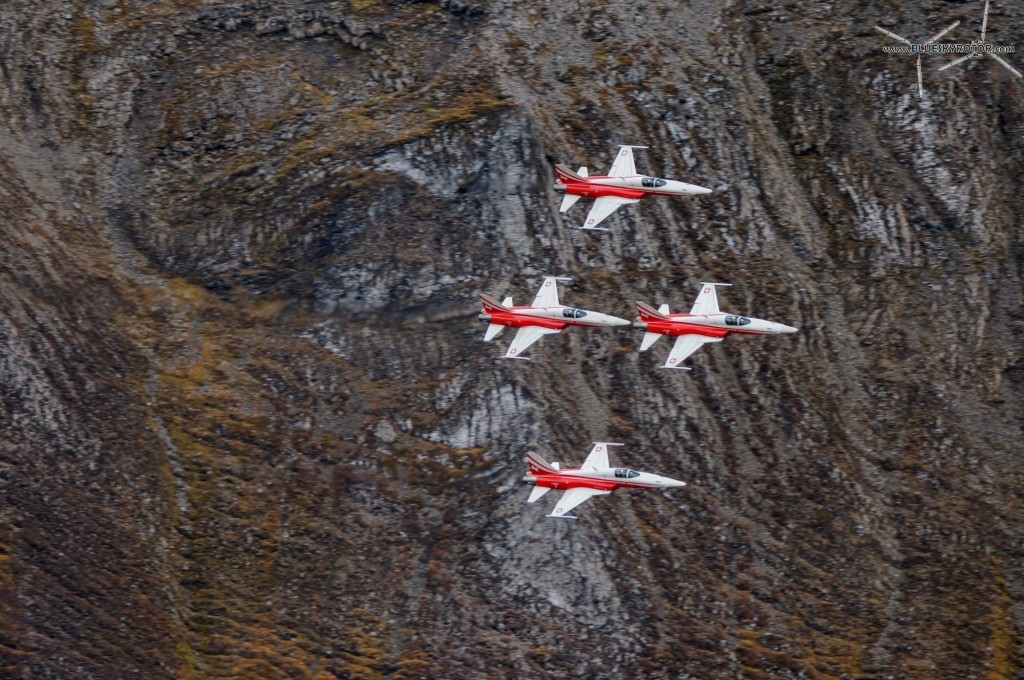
point(704, 323)
point(544, 316)
point(622, 185)
point(594, 478)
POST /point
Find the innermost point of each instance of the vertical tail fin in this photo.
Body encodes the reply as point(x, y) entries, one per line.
point(647, 312)
point(565, 173)
point(491, 305)
point(538, 464)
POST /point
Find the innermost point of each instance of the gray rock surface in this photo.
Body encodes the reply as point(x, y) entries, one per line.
point(248, 427)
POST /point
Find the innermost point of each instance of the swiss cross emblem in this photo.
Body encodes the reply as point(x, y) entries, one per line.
point(590, 221)
point(547, 284)
point(512, 351)
point(623, 153)
point(672, 360)
point(707, 290)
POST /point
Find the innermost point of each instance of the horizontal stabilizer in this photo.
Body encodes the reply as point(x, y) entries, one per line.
point(649, 339)
point(661, 310)
point(507, 302)
point(582, 172)
point(493, 331)
point(648, 312)
point(491, 305)
point(537, 493)
point(568, 201)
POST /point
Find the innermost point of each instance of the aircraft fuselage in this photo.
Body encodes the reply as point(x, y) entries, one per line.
point(635, 187)
point(551, 317)
point(608, 479)
point(711, 325)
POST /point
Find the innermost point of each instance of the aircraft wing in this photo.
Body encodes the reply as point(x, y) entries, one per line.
point(707, 300)
point(598, 458)
point(685, 346)
point(526, 336)
point(547, 296)
point(573, 497)
point(623, 165)
point(603, 207)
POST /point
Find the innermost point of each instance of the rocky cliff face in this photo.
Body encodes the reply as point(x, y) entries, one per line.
point(249, 428)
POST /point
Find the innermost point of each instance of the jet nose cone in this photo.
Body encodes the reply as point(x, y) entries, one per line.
point(616, 321)
point(684, 189)
point(675, 483)
point(787, 329)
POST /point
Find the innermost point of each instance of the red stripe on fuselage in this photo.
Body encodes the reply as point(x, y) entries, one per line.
point(520, 320)
point(663, 327)
point(565, 482)
point(512, 320)
point(597, 190)
point(676, 325)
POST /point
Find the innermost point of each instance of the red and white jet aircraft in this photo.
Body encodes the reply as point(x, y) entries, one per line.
point(594, 478)
point(544, 316)
point(622, 185)
point(704, 323)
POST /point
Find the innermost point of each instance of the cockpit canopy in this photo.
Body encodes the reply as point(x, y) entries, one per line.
point(570, 313)
point(736, 321)
point(652, 182)
point(623, 473)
